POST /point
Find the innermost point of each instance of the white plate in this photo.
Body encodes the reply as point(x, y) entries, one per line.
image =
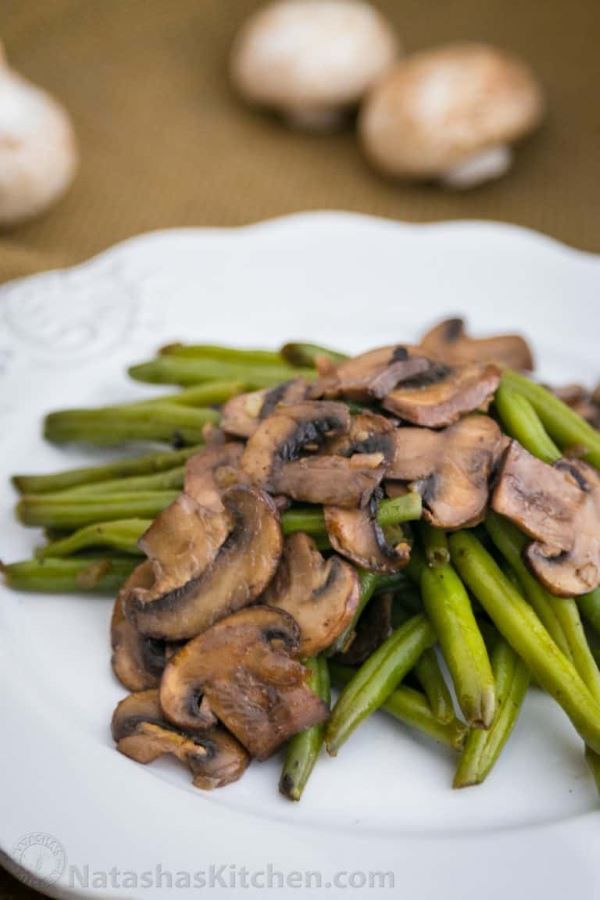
point(385, 804)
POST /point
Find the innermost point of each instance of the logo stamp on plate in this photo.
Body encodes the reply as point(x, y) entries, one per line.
point(41, 857)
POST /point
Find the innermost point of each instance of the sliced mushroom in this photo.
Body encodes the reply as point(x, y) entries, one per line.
point(210, 472)
point(321, 595)
point(450, 114)
point(137, 661)
point(451, 468)
point(331, 480)
point(206, 565)
point(311, 62)
point(243, 414)
point(443, 394)
point(368, 433)
point(356, 534)
point(142, 733)
point(372, 629)
point(448, 343)
point(558, 506)
point(244, 671)
point(371, 375)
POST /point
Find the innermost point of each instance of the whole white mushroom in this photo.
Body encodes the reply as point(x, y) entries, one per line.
point(450, 114)
point(38, 155)
point(312, 60)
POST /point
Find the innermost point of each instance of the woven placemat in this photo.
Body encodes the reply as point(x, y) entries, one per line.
point(165, 143)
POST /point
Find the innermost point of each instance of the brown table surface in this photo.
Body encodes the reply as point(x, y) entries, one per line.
point(165, 143)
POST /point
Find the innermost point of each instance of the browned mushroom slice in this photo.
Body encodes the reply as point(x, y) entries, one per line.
point(239, 416)
point(200, 579)
point(558, 506)
point(451, 468)
point(368, 433)
point(210, 472)
point(137, 661)
point(371, 375)
point(321, 595)
point(356, 534)
point(244, 670)
point(372, 629)
point(448, 343)
point(444, 393)
point(331, 480)
point(142, 733)
point(348, 469)
point(242, 414)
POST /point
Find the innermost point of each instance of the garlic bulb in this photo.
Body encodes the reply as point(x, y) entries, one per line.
point(38, 155)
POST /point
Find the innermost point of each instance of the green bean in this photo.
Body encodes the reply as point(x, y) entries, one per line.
point(449, 609)
point(238, 355)
point(482, 748)
point(411, 708)
point(166, 422)
point(516, 620)
point(368, 585)
point(430, 677)
point(559, 615)
point(376, 679)
point(62, 576)
point(589, 607)
point(303, 749)
point(170, 480)
point(83, 510)
point(562, 423)
point(406, 508)
point(300, 354)
point(435, 544)
point(50, 511)
point(189, 371)
point(212, 393)
point(593, 761)
point(121, 535)
point(391, 512)
point(521, 422)
point(121, 468)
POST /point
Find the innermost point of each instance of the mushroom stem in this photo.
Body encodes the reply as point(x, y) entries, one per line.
point(63, 576)
point(486, 165)
point(411, 708)
point(169, 422)
point(148, 464)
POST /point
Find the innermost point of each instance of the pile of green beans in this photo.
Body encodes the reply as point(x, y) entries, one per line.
point(466, 609)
